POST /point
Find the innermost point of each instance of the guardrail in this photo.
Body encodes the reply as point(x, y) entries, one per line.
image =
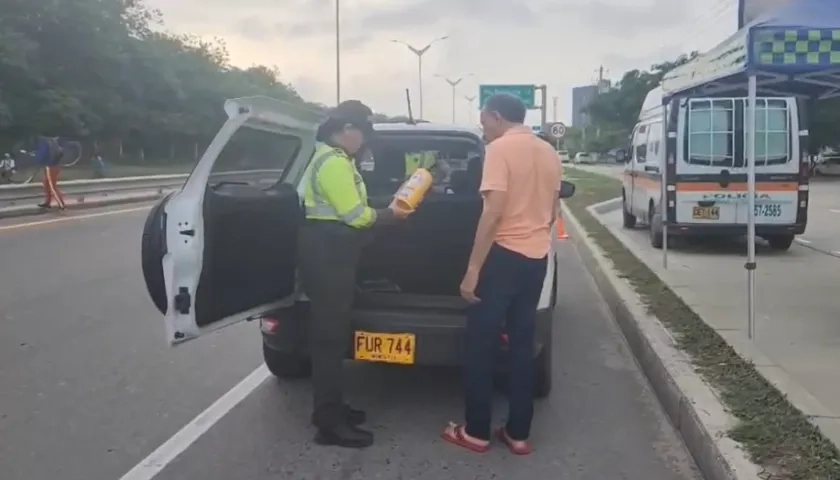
point(12, 194)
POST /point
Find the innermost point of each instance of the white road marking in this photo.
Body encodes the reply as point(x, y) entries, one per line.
point(152, 465)
point(803, 241)
point(834, 210)
point(69, 218)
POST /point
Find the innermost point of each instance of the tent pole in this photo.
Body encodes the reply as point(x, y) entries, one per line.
point(664, 181)
point(751, 264)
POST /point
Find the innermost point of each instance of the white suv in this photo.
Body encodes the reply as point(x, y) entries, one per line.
point(222, 249)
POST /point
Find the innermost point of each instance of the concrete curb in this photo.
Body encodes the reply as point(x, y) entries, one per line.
point(80, 203)
point(692, 405)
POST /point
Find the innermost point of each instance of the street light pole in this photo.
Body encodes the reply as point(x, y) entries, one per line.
point(454, 84)
point(420, 52)
point(337, 52)
point(470, 99)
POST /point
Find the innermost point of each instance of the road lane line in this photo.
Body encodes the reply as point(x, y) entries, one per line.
point(152, 465)
point(71, 217)
point(803, 241)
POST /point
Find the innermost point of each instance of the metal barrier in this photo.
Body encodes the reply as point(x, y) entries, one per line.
point(13, 194)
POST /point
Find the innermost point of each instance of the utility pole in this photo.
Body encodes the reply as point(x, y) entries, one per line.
point(420, 52)
point(554, 114)
point(543, 107)
point(470, 99)
point(454, 84)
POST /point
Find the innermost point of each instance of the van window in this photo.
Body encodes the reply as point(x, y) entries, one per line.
point(711, 132)
point(640, 145)
point(772, 132)
point(654, 139)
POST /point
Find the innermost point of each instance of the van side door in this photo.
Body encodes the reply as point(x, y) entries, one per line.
point(641, 178)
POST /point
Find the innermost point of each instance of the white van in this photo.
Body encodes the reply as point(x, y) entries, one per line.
point(222, 250)
point(707, 173)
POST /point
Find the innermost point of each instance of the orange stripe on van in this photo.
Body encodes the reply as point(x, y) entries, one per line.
point(737, 187)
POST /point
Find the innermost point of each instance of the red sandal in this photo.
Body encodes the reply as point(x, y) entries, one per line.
point(501, 433)
point(454, 434)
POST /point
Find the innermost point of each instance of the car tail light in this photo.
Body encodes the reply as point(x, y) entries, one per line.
point(269, 325)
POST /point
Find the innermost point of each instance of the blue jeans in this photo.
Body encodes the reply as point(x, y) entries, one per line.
point(509, 287)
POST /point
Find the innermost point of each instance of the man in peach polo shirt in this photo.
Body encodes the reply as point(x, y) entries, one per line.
point(520, 185)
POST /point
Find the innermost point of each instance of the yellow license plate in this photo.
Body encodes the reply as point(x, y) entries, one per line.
point(385, 347)
point(706, 213)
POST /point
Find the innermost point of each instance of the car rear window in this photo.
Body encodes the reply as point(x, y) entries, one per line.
point(457, 161)
point(262, 152)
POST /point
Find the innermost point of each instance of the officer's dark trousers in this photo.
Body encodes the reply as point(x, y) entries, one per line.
point(509, 287)
point(328, 253)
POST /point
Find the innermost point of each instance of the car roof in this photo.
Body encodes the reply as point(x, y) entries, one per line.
point(427, 127)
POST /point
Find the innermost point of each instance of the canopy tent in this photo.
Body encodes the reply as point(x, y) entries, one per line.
point(793, 50)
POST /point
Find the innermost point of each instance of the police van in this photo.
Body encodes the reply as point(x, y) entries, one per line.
point(707, 172)
point(222, 250)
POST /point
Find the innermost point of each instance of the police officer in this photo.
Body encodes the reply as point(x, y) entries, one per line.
point(329, 246)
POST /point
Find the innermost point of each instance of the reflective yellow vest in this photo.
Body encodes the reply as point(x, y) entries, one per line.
point(334, 189)
point(413, 161)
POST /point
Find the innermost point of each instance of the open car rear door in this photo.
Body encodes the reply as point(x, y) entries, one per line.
point(222, 249)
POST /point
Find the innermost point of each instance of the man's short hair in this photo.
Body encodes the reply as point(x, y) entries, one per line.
point(507, 106)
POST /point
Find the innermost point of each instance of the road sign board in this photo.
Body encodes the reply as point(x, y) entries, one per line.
point(558, 130)
point(526, 93)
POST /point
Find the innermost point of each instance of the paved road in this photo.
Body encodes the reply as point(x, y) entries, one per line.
point(88, 387)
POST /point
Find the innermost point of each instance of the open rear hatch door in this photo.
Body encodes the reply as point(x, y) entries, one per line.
point(222, 249)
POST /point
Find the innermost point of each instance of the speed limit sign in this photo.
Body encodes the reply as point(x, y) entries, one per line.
point(558, 130)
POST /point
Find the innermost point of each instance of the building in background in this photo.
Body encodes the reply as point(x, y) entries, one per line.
point(581, 97)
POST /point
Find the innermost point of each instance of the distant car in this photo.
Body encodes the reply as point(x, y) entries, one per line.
point(584, 158)
point(564, 156)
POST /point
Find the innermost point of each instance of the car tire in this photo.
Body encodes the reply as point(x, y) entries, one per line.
point(543, 378)
point(629, 220)
point(152, 249)
point(655, 229)
point(780, 242)
point(285, 365)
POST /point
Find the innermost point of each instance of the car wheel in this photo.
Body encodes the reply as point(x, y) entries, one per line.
point(629, 220)
point(542, 375)
point(655, 228)
point(543, 378)
point(780, 242)
point(286, 365)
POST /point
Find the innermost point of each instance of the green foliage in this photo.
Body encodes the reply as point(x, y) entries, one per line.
point(615, 111)
point(105, 69)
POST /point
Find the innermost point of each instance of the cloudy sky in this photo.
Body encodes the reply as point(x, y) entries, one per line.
point(560, 43)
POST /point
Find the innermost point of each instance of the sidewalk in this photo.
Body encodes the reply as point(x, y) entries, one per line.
point(797, 341)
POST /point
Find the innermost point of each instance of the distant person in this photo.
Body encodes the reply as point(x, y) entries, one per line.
point(7, 168)
point(504, 278)
point(48, 155)
point(99, 169)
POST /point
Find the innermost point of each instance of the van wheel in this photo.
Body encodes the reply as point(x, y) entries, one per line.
point(780, 242)
point(286, 365)
point(629, 220)
point(655, 228)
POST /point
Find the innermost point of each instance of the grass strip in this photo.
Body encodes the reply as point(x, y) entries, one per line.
point(776, 434)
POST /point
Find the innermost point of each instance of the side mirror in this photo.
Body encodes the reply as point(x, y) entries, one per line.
point(567, 189)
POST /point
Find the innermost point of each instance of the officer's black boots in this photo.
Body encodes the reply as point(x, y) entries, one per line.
point(344, 435)
point(353, 417)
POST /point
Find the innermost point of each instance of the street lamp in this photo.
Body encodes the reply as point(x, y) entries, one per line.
point(470, 99)
point(337, 53)
point(419, 52)
point(454, 83)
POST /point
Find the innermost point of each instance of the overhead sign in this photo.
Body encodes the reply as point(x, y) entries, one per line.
point(526, 93)
point(558, 130)
point(749, 10)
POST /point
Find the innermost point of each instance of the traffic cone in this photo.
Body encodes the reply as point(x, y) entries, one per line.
point(561, 229)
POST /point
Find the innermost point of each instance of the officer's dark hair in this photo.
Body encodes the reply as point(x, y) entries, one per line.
point(351, 112)
point(507, 106)
point(328, 128)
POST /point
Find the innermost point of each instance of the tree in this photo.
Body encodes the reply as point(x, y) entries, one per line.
point(105, 70)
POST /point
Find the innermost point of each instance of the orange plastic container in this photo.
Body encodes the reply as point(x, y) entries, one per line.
point(413, 190)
